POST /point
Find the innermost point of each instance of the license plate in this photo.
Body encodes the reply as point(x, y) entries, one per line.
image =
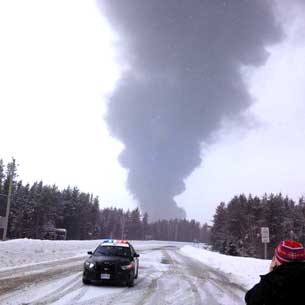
point(105, 276)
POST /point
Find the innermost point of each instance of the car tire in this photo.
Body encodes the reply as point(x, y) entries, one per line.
point(130, 283)
point(86, 282)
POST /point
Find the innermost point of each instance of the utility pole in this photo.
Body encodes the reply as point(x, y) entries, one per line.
point(8, 204)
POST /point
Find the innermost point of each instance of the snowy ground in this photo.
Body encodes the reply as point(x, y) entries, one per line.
point(242, 270)
point(49, 272)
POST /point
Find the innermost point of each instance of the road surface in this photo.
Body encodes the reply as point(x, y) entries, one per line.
point(166, 276)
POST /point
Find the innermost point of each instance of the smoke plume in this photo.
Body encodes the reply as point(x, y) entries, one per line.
point(184, 77)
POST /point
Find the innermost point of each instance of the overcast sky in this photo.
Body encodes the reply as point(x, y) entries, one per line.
point(57, 66)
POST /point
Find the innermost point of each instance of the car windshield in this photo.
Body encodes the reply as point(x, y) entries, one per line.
point(112, 251)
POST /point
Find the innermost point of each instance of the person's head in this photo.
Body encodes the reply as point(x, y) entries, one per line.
point(288, 251)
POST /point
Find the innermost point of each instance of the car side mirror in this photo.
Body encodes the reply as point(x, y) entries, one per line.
point(90, 252)
point(136, 255)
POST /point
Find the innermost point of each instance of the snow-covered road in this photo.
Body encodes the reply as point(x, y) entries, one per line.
point(166, 276)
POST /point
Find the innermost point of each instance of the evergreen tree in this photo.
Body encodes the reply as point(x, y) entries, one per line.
point(134, 225)
point(219, 233)
point(205, 234)
point(145, 227)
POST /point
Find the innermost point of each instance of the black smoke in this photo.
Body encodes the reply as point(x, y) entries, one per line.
point(184, 76)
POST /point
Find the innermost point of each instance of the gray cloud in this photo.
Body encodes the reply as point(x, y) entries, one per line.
point(185, 59)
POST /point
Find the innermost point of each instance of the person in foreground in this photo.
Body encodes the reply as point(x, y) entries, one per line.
point(285, 283)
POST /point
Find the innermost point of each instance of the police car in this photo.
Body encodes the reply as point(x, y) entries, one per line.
point(112, 261)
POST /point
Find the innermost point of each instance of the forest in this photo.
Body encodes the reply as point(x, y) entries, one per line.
point(237, 225)
point(37, 206)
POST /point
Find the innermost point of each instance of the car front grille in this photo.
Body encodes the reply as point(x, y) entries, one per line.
point(107, 267)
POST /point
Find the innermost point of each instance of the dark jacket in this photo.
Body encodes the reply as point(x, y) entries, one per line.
point(285, 285)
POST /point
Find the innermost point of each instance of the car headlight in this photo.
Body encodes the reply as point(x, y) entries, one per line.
point(127, 267)
point(89, 265)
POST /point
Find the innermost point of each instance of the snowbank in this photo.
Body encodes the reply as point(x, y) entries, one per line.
point(20, 252)
point(242, 270)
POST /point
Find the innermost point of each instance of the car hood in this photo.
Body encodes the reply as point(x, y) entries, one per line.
point(110, 259)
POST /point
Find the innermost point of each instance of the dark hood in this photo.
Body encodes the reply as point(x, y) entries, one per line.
point(110, 259)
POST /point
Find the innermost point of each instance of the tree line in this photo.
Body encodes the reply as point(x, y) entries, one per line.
point(37, 206)
point(237, 225)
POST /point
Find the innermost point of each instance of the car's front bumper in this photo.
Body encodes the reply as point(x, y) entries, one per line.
point(120, 276)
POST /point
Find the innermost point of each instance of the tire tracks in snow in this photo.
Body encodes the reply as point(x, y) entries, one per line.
point(17, 278)
point(177, 270)
point(156, 291)
point(67, 288)
point(214, 279)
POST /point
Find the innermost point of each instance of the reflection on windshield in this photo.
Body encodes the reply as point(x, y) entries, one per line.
point(112, 251)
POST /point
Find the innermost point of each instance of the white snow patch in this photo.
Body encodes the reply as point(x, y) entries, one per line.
point(242, 270)
point(22, 252)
